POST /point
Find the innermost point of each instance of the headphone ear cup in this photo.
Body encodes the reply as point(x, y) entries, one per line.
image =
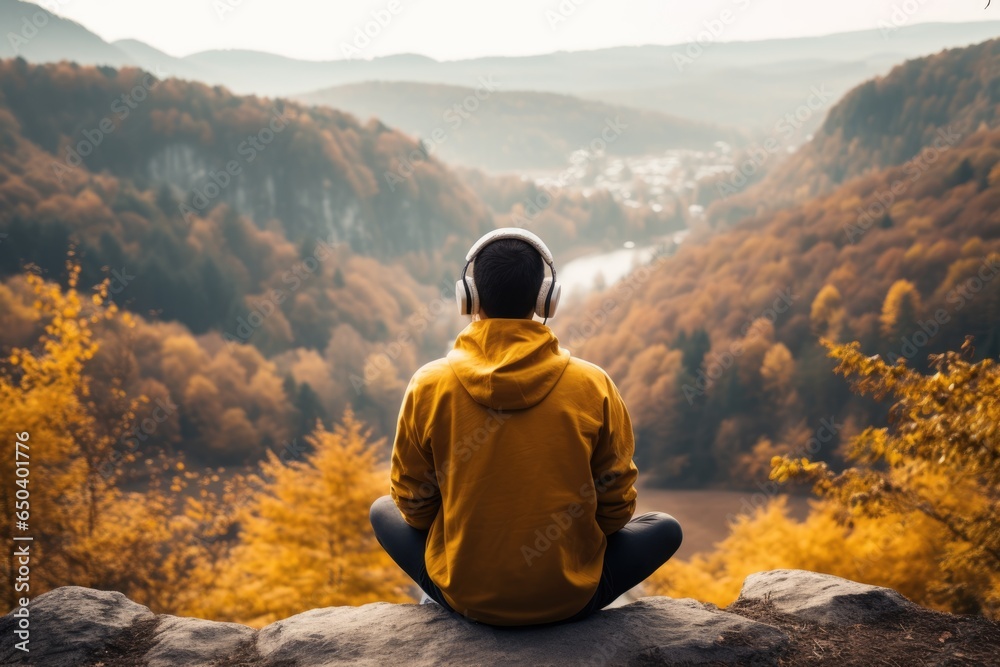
point(460, 299)
point(543, 294)
point(464, 299)
point(554, 302)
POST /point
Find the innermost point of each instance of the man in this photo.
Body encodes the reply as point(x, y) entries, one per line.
point(512, 481)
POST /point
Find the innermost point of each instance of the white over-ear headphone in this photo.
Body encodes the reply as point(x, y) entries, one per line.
point(548, 295)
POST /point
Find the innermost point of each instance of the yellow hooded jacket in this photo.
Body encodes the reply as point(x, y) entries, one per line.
point(517, 457)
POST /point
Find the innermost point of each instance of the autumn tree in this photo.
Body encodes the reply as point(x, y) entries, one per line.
point(899, 311)
point(917, 511)
point(87, 530)
point(827, 313)
point(877, 551)
point(305, 539)
point(939, 459)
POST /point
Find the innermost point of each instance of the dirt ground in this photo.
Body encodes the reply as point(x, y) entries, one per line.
point(910, 639)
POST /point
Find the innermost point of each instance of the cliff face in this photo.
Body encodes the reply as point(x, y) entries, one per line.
point(782, 617)
point(320, 172)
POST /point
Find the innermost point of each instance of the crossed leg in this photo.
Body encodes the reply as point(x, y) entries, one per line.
point(633, 553)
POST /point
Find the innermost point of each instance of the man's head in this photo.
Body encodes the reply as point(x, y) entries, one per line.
point(508, 275)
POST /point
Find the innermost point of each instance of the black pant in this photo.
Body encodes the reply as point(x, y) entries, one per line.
point(633, 553)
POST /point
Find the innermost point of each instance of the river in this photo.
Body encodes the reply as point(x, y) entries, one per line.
point(578, 276)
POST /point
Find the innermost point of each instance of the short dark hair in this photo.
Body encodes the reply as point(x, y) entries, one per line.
point(508, 275)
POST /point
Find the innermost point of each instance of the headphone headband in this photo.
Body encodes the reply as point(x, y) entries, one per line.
point(511, 233)
point(548, 296)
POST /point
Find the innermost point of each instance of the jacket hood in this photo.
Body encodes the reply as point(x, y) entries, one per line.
point(508, 364)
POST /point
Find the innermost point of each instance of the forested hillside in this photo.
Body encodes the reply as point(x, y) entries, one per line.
point(318, 171)
point(716, 351)
point(252, 323)
point(935, 101)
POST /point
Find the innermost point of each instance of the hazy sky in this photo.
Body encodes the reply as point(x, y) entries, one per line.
point(452, 29)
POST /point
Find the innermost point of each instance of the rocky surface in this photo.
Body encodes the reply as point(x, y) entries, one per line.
point(783, 617)
point(823, 598)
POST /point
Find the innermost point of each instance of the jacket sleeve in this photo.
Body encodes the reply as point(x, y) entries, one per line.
point(413, 482)
point(612, 466)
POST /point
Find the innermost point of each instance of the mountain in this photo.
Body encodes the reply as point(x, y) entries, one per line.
point(921, 105)
point(756, 98)
point(883, 123)
point(882, 238)
point(580, 72)
point(492, 128)
point(153, 60)
point(319, 171)
point(749, 84)
point(36, 34)
point(270, 74)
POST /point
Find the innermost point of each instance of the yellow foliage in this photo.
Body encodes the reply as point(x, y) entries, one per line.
point(919, 511)
point(305, 539)
point(827, 312)
point(766, 540)
point(757, 463)
point(86, 530)
point(900, 310)
point(898, 552)
point(777, 369)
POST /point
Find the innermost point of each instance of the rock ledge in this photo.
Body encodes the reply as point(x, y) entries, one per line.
point(74, 626)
